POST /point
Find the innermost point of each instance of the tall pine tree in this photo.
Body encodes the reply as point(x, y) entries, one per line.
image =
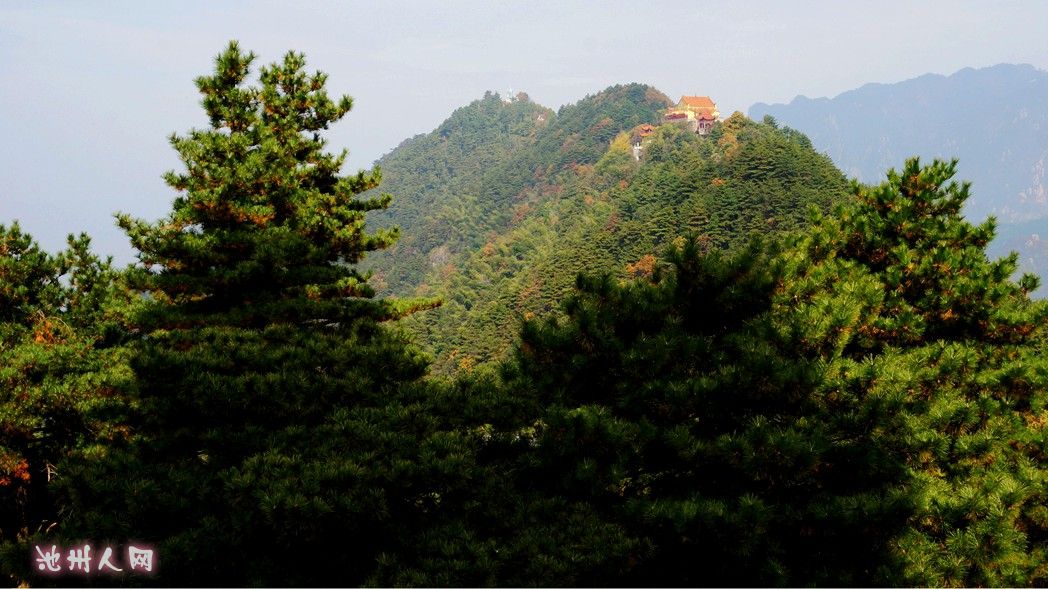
point(934, 350)
point(282, 437)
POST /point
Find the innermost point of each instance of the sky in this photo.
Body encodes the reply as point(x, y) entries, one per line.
point(91, 92)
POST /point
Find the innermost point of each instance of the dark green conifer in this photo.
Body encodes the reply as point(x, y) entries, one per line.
point(279, 438)
point(934, 350)
point(865, 405)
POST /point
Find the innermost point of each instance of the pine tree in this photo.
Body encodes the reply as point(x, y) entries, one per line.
point(264, 228)
point(63, 377)
point(864, 405)
point(280, 437)
point(933, 347)
point(672, 411)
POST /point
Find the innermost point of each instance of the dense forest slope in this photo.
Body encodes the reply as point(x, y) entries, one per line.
point(484, 167)
point(436, 178)
point(504, 232)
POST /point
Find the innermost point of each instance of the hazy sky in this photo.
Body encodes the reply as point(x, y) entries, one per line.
point(89, 92)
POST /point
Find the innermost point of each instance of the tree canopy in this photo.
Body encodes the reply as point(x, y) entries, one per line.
point(863, 405)
point(713, 364)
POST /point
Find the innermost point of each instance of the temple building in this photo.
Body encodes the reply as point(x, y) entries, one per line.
point(698, 113)
point(637, 137)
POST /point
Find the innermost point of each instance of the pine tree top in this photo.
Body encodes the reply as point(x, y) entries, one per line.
point(265, 228)
point(936, 279)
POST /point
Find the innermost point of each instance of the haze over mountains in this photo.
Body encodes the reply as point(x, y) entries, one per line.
point(994, 120)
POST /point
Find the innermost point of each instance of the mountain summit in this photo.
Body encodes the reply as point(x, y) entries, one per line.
point(499, 232)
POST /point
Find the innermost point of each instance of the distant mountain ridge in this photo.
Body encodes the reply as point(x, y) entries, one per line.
point(994, 119)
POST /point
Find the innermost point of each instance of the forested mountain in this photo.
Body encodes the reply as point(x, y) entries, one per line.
point(443, 172)
point(859, 401)
point(507, 239)
point(994, 120)
point(486, 165)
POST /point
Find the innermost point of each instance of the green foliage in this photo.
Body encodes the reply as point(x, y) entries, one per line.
point(276, 415)
point(918, 318)
point(747, 178)
point(484, 168)
point(787, 397)
point(672, 409)
point(63, 375)
point(865, 405)
point(265, 227)
point(438, 176)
